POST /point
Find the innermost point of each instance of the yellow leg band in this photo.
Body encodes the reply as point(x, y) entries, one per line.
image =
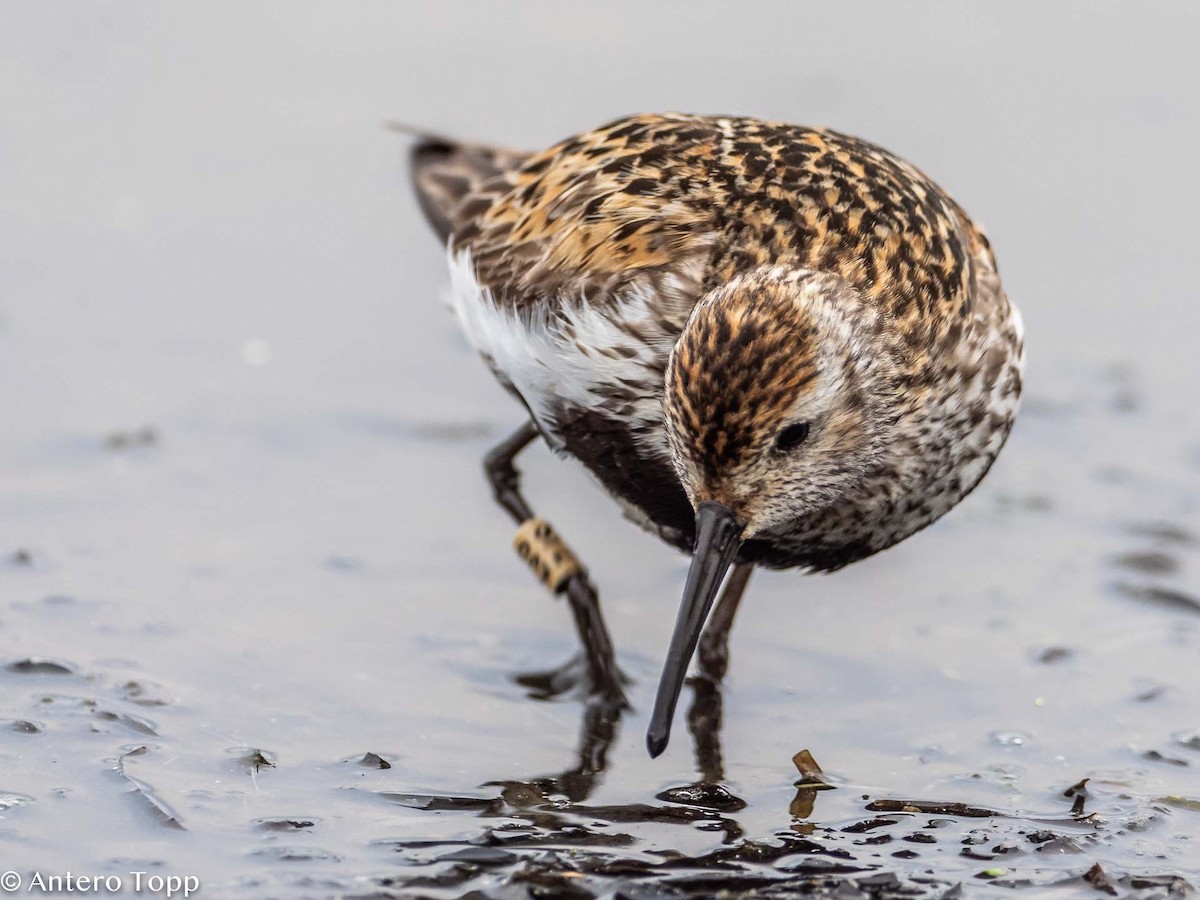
point(551, 559)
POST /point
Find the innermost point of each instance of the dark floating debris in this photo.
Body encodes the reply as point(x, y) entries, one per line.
point(1168, 598)
point(36, 665)
point(135, 692)
point(1080, 794)
point(374, 761)
point(811, 780)
point(284, 824)
point(21, 557)
point(1153, 562)
point(133, 723)
point(926, 806)
point(810, 773)
point(1052, 655)
point(1189, 739)
point(123, 440)
point(1155, 756)
point(869, 825)
point(480, 856)
point(705, 796)
point(254, 759)
point(24, 726)
point(438, 803)
point(1188, 803)
point(1167, 532)
point(162, 811)
point(1098, 878)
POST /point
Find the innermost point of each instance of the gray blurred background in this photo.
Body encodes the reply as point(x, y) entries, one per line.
point(205, 231)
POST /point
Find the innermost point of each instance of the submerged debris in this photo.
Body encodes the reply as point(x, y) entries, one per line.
point(1168, 598)
point(1188, 803)
point(132, 722)
point(1188, 739)
point(35, 665)
point(1052, 655)
point(436, 802)
point(280, 824)
point(136, 692)
point(926, 806)
point(162, 811)
point(123, 440)
point(1151, 562)
point(1155, 756)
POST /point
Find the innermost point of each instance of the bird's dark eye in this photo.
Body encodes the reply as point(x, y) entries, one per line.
point(791, 437)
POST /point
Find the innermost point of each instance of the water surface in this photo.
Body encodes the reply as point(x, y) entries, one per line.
point(245, 541)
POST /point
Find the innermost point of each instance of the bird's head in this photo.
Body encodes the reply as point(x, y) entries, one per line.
point(776, 400)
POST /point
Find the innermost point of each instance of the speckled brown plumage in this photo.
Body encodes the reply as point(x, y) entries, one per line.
point(666, 292)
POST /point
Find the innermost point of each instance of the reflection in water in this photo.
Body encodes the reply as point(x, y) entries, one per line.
point(602, 713)
point(597, 730)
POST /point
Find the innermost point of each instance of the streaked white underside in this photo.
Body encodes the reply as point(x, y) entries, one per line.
point(570, 351)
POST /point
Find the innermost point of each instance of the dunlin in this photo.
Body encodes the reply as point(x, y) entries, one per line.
point(774, 345)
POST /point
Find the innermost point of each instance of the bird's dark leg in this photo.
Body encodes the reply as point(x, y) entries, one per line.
point(704, 715)
point(714, 643)
point(550, 559)
point(503, 475)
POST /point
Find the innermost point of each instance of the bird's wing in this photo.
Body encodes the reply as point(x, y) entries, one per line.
point(601, 211)
point(448, 174)
point(672, 204)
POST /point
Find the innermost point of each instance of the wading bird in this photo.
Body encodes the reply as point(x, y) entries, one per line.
point(773, 345)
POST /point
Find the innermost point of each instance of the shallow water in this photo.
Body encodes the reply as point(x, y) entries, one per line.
point(245, 541)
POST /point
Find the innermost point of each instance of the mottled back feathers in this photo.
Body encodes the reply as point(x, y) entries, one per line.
point(841, 283)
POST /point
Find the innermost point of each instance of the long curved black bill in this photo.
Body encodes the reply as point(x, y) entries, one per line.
point(718, 537)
